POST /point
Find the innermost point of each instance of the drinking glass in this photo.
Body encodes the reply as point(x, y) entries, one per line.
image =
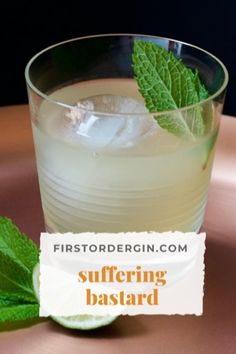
point(104, 163)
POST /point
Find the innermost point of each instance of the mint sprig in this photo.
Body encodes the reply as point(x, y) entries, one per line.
point(18, 256)
point(13, 308)
point(167, 84)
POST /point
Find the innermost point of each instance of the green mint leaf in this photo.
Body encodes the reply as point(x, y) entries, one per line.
point(200, 88)
point(167, 84)
point(11, 298)
point(9, 285)
point(14, 276)
point(18, 256)
point(17, 246)
point(16, 312)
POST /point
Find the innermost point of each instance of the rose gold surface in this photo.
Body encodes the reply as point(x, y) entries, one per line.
point(212, 333)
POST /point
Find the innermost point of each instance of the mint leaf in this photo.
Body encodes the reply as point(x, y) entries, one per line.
point(16, 312)
point(167, 84)
point(14, 275)
point(7, 298)
point(18, 256)
point(17, 246)
point(200, 88)
point(9, 285)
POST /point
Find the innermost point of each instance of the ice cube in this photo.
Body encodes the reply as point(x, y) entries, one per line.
point(113, 104)
point(107, 121)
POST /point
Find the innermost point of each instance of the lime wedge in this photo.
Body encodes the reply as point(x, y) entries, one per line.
point(82, 322)
point(35, 281)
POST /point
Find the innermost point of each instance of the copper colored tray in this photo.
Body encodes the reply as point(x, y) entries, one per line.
point(212, 333)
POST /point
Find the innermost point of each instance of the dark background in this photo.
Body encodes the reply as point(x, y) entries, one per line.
point(28, 27)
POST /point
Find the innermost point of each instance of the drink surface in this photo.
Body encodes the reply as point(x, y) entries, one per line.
point(114, 173)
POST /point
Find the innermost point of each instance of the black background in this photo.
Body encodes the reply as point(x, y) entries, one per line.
point(28, 27)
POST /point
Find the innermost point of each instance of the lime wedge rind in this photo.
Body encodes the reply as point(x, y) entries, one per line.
point(81, 322)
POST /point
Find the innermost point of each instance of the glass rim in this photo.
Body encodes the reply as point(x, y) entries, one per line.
point(117, 114)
